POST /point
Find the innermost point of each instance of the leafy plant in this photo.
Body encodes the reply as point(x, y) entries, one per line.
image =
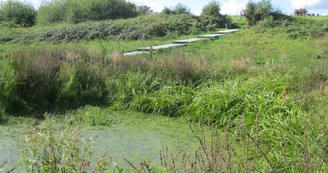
point(259, 11)
point(212, 9)
point(75, 11)
point(177, 9)
point(19, 12)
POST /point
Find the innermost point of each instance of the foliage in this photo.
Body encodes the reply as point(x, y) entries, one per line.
point(91, 116)
point(8, 85)
point(256, 12)
point(18, 12)
point(212, 9)
point(51, 12)
point(74, 11)
point(297, 27)
point(177, 9)
point(113, 9)
point(301, 12)
point(212, 17)
point(144, 10)
point(140, 28)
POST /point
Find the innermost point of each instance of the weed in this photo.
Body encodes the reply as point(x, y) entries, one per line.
point(51, 150)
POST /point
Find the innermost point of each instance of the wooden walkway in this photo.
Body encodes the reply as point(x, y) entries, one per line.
point(181, 43)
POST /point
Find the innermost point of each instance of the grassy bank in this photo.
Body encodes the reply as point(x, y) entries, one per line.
point(140, 28)
point(269, 92)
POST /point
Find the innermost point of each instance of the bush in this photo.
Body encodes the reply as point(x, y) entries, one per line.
point(144, 10)
point(177, 9)
point(211, 17)
point(51, 12)
point(256, 12)
point(212, 9)
point(112, 9)
point(75, 11)
point(21, 13)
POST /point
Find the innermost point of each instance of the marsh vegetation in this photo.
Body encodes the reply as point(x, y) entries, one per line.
point(259, 94)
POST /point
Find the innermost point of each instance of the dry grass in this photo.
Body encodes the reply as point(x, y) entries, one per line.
point(241, 64)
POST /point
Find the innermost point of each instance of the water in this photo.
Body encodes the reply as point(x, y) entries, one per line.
point(133, 136)
point(137, 137)
point(10, 149)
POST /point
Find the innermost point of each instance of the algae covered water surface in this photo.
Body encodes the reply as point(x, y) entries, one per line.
point(137, 136)
point(132, 136)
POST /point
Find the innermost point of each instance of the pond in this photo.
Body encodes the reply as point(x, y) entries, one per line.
point(133, 136)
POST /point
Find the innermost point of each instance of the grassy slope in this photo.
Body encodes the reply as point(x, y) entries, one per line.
point(110, 46)
point(139, 28)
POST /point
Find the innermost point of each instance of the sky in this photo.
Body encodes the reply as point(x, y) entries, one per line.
point(232, 7)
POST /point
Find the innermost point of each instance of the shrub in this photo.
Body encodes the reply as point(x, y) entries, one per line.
point(21, 13)
point(144, 10)
point(177, 9)
point(113, 9)
point(256, 12)
point(51, 12)
point(212, 9)
point(75, 11)
point(211, 17)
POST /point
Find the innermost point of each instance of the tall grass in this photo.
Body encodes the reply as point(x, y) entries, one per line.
point(8, 85)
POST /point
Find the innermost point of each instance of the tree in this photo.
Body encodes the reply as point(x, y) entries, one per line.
point(303, 12)
point(212, 9)
point(74, 11)
point(21, 13)
point(181, 9)
point(144, 10)
point(112, 9)
point(256, 12)
point(251, 13)
point(177, 9)
point(297, 12)
point(167, 11)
